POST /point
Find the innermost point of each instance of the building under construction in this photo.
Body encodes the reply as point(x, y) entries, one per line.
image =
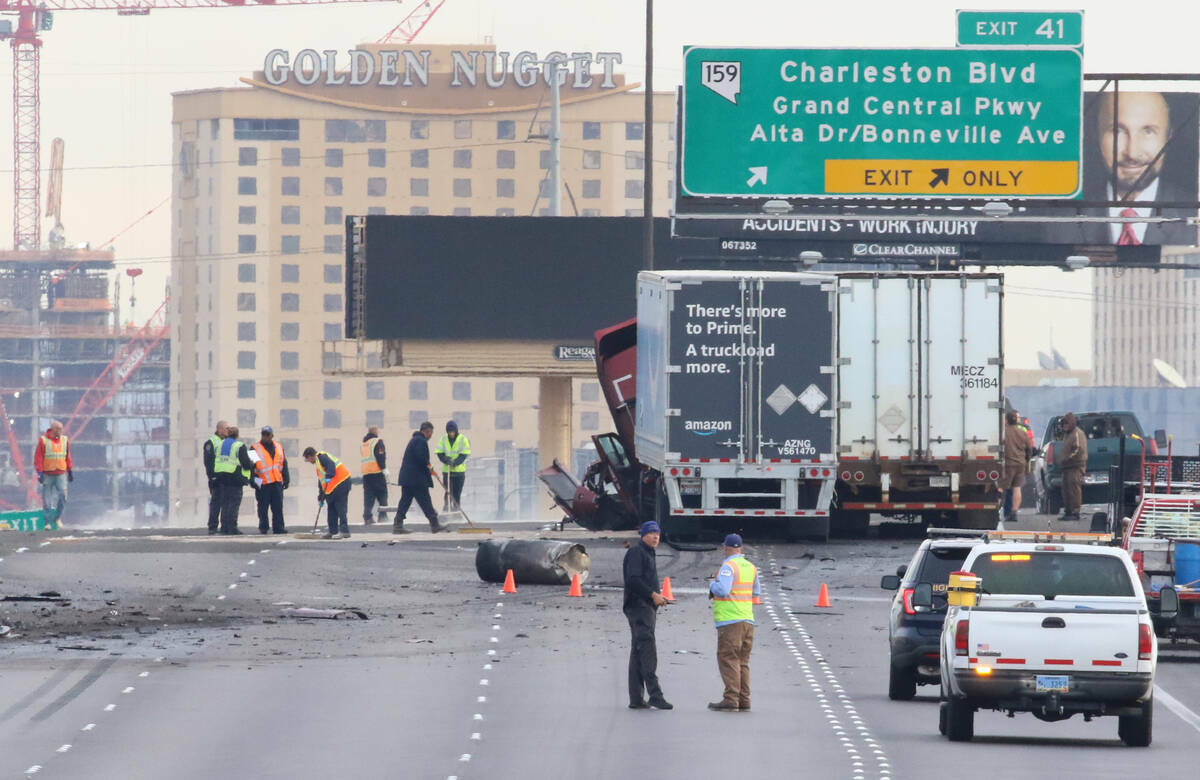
point(64, 355)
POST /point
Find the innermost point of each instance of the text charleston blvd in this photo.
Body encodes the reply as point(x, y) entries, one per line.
point(492, 69)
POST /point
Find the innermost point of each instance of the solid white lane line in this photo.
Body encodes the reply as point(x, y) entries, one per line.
point(1178, 707)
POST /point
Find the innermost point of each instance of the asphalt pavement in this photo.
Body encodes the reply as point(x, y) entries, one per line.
point(171, 655)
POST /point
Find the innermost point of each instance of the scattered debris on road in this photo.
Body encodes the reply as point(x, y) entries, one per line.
point(323, 614)
point(533, 562)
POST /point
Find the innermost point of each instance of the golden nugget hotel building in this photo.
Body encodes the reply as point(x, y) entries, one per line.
point(266, 174)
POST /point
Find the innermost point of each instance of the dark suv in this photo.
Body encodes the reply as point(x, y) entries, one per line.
point(914, 632)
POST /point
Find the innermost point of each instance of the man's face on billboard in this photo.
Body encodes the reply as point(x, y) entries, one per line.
point(1143, 128)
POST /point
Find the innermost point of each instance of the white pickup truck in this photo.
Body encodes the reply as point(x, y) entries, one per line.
point(1058, 629)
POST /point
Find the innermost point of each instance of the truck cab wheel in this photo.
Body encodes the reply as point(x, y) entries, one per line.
point(1137, 730)
point(960, 720)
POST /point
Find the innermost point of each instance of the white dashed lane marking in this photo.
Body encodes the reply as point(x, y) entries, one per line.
point(848, 727)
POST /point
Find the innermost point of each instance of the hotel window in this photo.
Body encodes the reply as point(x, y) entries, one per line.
point(633, 131)
point(333, 391)
point(506, 129)
point(289, 418)
point(418, 187)
point(591, 131)
point(591, 188)
point(289, 215)
point(289, 185)
point(633, 188)
point(419, 128)
point(590, 213)
point(245, 302)
point(506, 158)
point(504, 391)
point(289, 245)
point(245, 388)
point(333, 185)
point(591, 159)
point(375, 417)
point(333, 158)
point(332, 418)
point(376, 187)
point(333, 302)
point(460, 391)
point(355, 130)
point(333, 273)
point(289, 361)
point(289, 302)
point(264, 129)
point(247, 155)
point(245, 359)
point(247, 185)
point(333, 331)
point(418, 158)
point(462, 211)
point(333, 215)
point(334, 244)
point(246, 417)
point(373, 211)
point(506, 212)
point(289, 388)
point(634, 212)
point(462, 188)
point(289, 272)
point(247, 244)
point(462, 128)
point(416, 417)
point(506, 188)
point(289, 156)
point(377, 158)
point(375, 391)
point(633, 161)
point(418, 391)
point(246, 273)
point(418, 211)
point(289, 331)
point(247, 215)
point(462, 158)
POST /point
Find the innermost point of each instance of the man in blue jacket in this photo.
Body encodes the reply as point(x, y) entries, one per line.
point(416, 480)
point(642, 600)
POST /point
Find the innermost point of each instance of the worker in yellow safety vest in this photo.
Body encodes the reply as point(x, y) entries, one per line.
point(231, 469)
point(453, 451)
point(209, 456)
point(52, 461)
point(734, 592)
point(374, 475)
point(333, 490)
point(271, 478)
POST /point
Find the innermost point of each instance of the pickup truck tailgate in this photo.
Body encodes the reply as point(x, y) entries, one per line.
point(1054, 638)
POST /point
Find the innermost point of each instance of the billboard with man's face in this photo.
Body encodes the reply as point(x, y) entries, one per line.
point(1141, 158)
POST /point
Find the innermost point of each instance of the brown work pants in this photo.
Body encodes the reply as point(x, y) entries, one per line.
point(1072, 490)
point(734, 643)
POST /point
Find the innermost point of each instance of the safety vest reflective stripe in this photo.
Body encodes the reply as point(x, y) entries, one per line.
point(215, 441)
point(227, 461)
point(461, 446)
point(369, 464)
point(340, 473)
point(739, 604)
point(269, 467)
point(54, 456)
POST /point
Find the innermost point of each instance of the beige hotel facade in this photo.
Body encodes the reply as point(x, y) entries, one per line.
point(266, 174)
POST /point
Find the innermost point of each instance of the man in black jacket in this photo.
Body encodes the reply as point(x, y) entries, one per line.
point(416, 479)
point(210, 457)
point(642, 600)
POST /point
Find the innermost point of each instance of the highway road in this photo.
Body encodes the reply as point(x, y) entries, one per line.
point(173, 659)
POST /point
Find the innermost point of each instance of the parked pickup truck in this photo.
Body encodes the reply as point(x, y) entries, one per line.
point(1103, 431)
point(1163, 540)
point(1056, 629)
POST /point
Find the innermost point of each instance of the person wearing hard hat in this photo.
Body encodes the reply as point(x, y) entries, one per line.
point(734, 592)
point(453, 451)
point(641, 603)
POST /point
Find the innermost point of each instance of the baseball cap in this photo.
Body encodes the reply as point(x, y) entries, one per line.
point(268, 429)
point(733, 540)
point(649, 527)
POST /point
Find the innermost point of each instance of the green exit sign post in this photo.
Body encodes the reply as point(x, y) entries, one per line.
point(1020, 28)
point(943, 123)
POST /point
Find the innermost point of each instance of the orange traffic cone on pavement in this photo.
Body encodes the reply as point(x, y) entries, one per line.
point(823, 596)
point(575, 589)
point(666, 589)
point(510, 585)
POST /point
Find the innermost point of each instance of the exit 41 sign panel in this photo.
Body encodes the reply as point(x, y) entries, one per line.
point(1002, 122)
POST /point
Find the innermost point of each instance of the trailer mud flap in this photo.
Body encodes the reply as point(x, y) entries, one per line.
point(533, 562)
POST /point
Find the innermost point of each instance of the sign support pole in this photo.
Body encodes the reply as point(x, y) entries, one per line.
point(648, 147)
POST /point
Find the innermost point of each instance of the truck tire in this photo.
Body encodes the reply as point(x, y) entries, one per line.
point(1049, 501)
point(960, 720)
point(978, 518)
point(943, 716)
point(1136, 730)
point(902, 684)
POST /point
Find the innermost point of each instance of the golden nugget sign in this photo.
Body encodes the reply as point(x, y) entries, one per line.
point(407, 68)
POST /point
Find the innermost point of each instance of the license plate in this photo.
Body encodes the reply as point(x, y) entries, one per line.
point(939, 482)
point(1095, 479)
point(1047, 683)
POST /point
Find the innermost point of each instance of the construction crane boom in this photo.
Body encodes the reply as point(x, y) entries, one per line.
point(34, 17)
point(412, 24)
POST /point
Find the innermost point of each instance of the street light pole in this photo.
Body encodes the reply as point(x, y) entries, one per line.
point(648, 147)
point(552, 67)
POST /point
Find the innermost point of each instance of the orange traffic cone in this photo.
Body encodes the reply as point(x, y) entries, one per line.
point(510, 585)
point(666, 589)
point(575, 589)
point(823, 596)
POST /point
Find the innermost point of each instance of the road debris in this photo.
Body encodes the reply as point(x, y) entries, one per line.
point(533, 562)
point(323, 614)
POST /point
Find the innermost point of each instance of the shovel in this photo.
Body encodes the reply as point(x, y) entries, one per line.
point(471, 527)
point(313, 534)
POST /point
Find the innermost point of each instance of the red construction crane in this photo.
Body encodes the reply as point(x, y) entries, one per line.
point(33, 18)
point(413, 23)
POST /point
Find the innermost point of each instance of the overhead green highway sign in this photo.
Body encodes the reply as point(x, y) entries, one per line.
point(1020, 28)
point(776, 123)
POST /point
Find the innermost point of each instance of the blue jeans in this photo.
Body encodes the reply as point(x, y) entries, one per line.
point(54, 495)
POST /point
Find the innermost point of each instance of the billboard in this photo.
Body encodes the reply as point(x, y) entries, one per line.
point(1152, 173)
point(502, 278)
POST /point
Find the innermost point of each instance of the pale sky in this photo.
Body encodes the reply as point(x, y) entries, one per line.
point(107, 82)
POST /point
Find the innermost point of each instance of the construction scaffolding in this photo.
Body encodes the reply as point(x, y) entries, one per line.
point(65, 356)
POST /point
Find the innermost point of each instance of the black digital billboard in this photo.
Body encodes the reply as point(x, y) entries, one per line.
point(504, 278)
